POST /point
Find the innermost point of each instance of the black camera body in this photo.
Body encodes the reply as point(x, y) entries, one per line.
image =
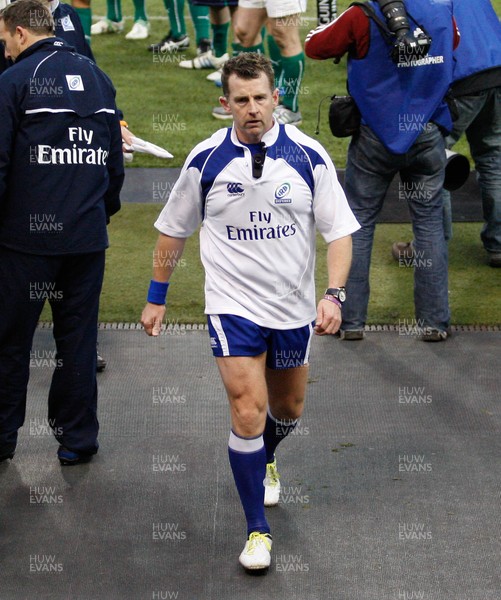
point(408, 46)
point(411, 47)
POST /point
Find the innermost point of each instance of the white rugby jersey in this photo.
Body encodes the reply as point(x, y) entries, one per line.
point(257, 240)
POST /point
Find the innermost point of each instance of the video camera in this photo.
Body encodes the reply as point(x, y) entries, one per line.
point(408, 45)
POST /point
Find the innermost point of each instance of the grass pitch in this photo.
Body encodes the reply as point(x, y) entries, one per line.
point(172, 107)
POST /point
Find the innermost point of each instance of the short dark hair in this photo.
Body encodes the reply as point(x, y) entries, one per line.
point(248, 65)
point(29, 14)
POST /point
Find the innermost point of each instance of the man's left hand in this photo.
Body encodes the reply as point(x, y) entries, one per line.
point(328, 318)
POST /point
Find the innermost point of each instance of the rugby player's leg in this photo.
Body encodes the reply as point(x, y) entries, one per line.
point(84, 12)
point(200, 17)
point(245, 382)
point(285, 32)
point(220, 19)
point(248, 23)
point(286, 377)
point(286, 391)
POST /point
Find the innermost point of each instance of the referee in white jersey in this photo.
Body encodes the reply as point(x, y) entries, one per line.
point(259, 190)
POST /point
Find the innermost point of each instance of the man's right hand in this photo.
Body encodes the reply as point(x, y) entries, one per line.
point(152, 318)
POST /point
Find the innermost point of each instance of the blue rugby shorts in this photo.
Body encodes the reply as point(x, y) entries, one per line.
point(231, 335)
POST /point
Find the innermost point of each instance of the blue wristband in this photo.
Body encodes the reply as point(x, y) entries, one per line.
point(157, 292)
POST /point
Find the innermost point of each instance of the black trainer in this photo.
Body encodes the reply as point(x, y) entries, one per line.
point(495, 259)
point(204, 46)
point(170, 44)
point(6, 453)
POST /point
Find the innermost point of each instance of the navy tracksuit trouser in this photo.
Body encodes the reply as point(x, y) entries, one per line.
point(72, 285)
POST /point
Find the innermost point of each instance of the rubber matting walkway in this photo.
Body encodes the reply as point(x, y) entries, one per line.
point(391, 483)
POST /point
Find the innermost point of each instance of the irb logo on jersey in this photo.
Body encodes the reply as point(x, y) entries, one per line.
point(66, 24)
point(281, 194)
point(75, 83)
point(235, 189)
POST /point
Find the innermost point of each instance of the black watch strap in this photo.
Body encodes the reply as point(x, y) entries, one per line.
point(339, 293)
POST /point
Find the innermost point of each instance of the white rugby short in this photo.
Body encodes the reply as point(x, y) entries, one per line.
point(276, 8)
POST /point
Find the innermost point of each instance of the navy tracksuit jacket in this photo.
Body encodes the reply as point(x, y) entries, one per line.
point(61, 171)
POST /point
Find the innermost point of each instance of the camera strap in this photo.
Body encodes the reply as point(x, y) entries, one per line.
point(371, 13)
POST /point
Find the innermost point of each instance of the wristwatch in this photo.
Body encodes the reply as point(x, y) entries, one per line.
point(339, 293)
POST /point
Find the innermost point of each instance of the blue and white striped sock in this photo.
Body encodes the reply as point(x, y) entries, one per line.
point(248, 463)
point(274, 432)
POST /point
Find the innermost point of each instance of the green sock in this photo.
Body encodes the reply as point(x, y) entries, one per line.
point(275, 57)
point(200, 18)
point(139, 11)
point(238, 49)
point(290, 79)
point(175, 8)
point(114, 10)
point(220, 38)
point(85, 15)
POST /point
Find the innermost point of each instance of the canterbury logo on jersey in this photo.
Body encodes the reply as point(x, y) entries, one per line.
point(235, 188)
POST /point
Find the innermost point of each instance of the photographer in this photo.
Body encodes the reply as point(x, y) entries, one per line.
point(399, 70)
point(477, 93)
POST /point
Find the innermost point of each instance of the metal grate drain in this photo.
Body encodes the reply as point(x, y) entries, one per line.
point(204, 327)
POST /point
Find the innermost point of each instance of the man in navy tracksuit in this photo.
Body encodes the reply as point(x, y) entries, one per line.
point(67, 25)
point(61, 171)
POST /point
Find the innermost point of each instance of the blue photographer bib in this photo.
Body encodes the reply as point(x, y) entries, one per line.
point(398, 100)
point(480, 47)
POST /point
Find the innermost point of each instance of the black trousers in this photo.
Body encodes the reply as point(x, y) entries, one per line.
point(72, 285)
